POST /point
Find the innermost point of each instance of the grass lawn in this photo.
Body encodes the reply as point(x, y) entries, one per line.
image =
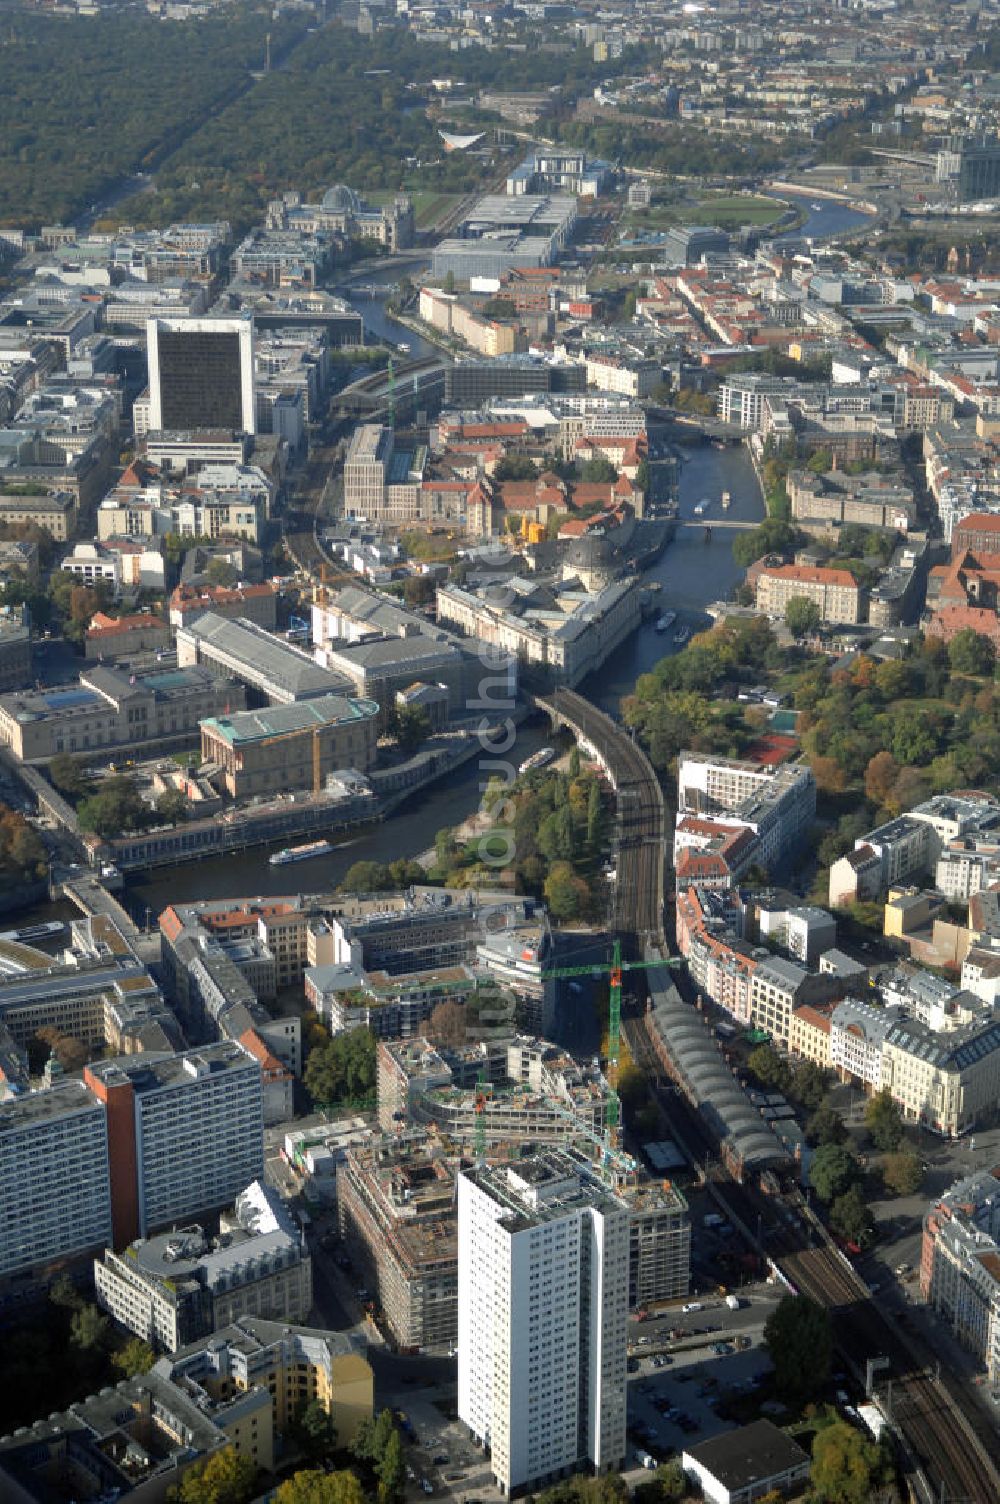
point(428, 207)
point(734, 209)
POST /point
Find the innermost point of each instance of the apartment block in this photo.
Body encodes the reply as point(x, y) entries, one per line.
point(960, 1264)
point(542, 1318)
point(54, 1173)
point(776, 803)
point(835, 592)
point(185, 1133)
point(177, 1286)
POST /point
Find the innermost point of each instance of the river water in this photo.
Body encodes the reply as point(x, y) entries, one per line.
point(692, 572)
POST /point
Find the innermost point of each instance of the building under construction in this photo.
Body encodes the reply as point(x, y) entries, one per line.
point(396, 1201)
point(508, 1091)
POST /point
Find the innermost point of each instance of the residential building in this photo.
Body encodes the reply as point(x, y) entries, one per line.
point(185, 1133)
point(857, 1035)
point(239, 1389)
point(946, 1081)
point(659, 1264)
point(776, 987)
point(776, 803)
point(960, 1264)
point(242, 602)
point(542, 1318)
point(293, 746)
point(112, 709)
point(835, 592)
point(177, 1286)
point(200, 374)
point(809, 1034)
point(54, 1173)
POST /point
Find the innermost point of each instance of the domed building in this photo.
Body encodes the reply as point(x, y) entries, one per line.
point(341, 199)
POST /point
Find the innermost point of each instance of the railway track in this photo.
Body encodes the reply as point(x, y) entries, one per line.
point(638, 901)
point(952, 1451)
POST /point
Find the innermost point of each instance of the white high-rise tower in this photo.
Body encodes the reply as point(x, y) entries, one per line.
point(543, 1250)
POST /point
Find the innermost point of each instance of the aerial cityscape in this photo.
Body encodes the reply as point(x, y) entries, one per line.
point(499, 752)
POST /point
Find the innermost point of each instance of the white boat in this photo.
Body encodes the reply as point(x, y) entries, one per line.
point(537, 759)
point(299, 853)
point(702, 507)
point(682, 634)
point(666, 621)
point(816, 208)
point(726, 499)
point(402, 345)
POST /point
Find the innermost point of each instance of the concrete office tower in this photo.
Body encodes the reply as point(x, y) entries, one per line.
point(543, 1252)
point(201, 374)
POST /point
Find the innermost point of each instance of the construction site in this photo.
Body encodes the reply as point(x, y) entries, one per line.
point(441, 1108)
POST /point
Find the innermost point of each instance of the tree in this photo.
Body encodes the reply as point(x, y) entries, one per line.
point(574, 762)
point(902, 1173)
point(633, 1088)
point(884, 1121)
point(392, 1471)
point(135, 1357)
point(89, 1329)
point(808, 1085)
point(313, 1486)
point(172, 806)
point(71, 1053)
point(969, 653)
point(668, 1482)
point(851, 1218)
point(116, 808)
point(343, 1070)
point(833, 1169)
point(67, 775)
point(826, 1126)
point(314, 1430)
point(566, 894)
point(880, 776)
point(799, 1337)
point(598, 471)
point(64, 1294)
point(413, 727)
point(802, 616)
point(449, 282)
point(595, 818)
point(223, 1478)
point(419, 589)
point(446, 1024)
point(845, 1466)
point(372, 1437)
point(771, 1071)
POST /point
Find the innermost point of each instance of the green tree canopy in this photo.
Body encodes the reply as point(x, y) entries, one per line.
point(851, 1218)
point(970, 653)
point(223, 1478)
point(902, 1173)
point(832, 1170)
point(343, 1070)
point(799, 1337)
point(802, 616)
point(846, 1468)
point(313, 1486)
point(826, 1126)
point(884, 1121)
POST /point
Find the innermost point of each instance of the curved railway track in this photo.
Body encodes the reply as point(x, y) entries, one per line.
point(638, 900)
